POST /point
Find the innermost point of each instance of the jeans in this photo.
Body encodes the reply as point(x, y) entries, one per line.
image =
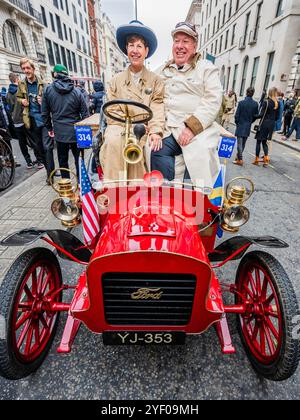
point(63, 157)
point(295, 126)
point(43, 145)
point(164, 159)
point(241, 144)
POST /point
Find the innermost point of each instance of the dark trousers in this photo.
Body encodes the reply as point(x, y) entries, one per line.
point(43, 145)
point(264, 144)
point(22, 137)
point(164, 159)
point(287, 123)
point(241, 144)
point(63, 157)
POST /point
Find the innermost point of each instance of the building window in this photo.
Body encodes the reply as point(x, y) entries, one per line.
point(84, 5)
point(258, 19)
point(44, 17)
point(74, 14)
point(55, 2)
point(69, 60)
point(244, 76)
point(237, 5)
point(52, 22)
point(216, 47)
point(89, 48)
point(59, 28)
point(226, 39)
point(233, 34)
point(71, 35)
point(77, 40)
point(50, 52)
point(74, 62)
point(67, 7)
point(228, 78)
point(219, 19)
point(214, 27)
point(224, 13)
point(236, 68)
point(279, 10)
point(87, 67)
point(254, 71)
point(64, 57)
point(84, 45)
point(81, 65)
point(246, 28)
point(269, 70)
point(230, 9)
point(62, 4)
point(87, 26)
point(81, 21)
point(57, 53)
point(221, 44)
point(10, 38)
point(66, 32)
point(92, 70)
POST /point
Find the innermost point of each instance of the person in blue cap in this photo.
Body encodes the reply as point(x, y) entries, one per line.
point(136, 83)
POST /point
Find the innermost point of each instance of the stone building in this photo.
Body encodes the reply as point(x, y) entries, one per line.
point(253, 42)
point(21, 34)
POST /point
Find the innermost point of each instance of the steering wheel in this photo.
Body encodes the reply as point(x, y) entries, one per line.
point(118, 115)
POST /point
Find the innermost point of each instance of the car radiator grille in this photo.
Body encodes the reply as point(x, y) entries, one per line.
point(174, 306)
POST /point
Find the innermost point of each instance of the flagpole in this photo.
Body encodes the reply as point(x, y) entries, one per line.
point(136, 9)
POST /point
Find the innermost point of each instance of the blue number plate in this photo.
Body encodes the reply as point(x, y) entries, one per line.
point(84, 137)
point(226, 147)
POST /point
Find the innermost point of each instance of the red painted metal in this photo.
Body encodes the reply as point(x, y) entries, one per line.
point(63, 251)
point(263, 325)
point(71, 329)
point(31, 323)
point(239, 251)
point(223, 332)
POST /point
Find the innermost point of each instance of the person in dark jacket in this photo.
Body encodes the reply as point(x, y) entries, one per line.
point(81, 88)
point(63, 105)
point(268, 116)
point(98, 96)
point(245, 116)
point(288, 112)
point(16, 111)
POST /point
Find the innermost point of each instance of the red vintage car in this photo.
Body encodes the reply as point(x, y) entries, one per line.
point(149, 278)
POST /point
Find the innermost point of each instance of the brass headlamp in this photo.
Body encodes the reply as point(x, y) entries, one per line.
point(235, 214)
point(66, 208)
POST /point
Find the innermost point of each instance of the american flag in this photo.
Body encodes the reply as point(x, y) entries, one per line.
point(90, 215)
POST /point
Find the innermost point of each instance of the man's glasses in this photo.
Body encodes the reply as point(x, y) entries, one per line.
point(189, 25)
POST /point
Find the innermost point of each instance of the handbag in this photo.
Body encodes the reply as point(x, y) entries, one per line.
point(257, 127)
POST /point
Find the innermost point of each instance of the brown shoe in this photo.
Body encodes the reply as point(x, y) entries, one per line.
point(238, 162)
point(256, 162)
point(266, 161)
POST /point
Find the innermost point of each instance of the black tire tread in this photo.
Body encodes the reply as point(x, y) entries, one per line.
point(9, 368)
point(290, 356)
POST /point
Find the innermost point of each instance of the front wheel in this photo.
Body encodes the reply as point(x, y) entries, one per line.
point(28, 325)
point(268, 329)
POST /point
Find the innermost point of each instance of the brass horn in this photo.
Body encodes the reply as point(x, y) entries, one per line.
point(65, 208)
point(132, 151)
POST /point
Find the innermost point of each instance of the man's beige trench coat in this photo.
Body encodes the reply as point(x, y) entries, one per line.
point(193, 97)
point(150, 92)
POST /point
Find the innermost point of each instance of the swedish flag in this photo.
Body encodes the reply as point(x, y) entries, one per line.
point(216, 197)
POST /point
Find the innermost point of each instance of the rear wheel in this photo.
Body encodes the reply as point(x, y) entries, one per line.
point(266, 329)
point(7, 165)
point(28, 325)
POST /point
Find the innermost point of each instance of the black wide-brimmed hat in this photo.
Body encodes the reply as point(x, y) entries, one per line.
point(136, 27)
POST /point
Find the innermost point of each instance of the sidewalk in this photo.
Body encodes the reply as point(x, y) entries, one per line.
point(294, 145)
point(26, 205)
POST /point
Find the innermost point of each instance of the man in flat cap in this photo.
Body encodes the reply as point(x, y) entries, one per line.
point(193, 97)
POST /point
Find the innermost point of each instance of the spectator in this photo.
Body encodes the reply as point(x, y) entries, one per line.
point(15, 108)
point(230, 106)
point(98, 96)
point(268, 116)
point(295, 124)
point(29, 95)
point(278, 124)
point(5, 122)
point(245, 116)
point(63, 106)
point(81, 88)
point(3, 96)
point(288, 113)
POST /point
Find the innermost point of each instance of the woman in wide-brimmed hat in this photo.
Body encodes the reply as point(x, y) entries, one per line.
point(136, 83)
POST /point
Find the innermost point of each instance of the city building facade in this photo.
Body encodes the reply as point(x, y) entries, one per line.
point(21, 34)
point(253, 42)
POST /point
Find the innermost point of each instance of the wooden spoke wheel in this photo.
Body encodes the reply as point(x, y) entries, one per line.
point(28, 323)
point(267, 329)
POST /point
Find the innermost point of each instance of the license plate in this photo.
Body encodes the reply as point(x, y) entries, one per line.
point(115, 338)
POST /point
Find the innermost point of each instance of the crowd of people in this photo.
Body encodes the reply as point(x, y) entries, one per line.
point(41, 116)
point(186, 99)
point(274, 114)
